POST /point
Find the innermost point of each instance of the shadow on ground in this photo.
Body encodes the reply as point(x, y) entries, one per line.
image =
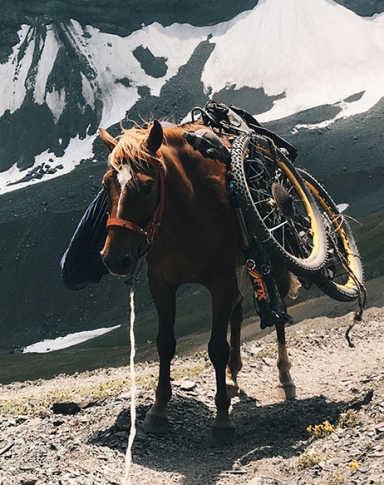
point(276, 430)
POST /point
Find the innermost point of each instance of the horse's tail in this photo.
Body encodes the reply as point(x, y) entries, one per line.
point(294, 285)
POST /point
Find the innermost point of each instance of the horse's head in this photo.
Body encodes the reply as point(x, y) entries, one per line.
point(134, 183)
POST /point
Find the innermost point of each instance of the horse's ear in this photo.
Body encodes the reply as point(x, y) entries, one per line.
point(155, 138)
point(108, 139)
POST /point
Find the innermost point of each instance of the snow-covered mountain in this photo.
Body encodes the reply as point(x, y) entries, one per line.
point(311, 70)
point(64, 79)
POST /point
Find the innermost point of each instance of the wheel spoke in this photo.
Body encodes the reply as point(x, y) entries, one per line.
point(280, 207)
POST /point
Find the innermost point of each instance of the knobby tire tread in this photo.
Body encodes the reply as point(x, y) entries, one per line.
point(299, 266)
point(339, 292)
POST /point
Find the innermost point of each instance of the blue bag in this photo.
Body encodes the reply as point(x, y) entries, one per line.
point(81, 263)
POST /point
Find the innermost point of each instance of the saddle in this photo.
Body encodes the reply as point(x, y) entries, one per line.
point(231, 122)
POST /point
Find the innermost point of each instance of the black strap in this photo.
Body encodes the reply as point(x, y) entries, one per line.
point(237, 121)
point(261, 130)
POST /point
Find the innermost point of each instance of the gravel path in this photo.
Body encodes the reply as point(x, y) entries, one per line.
point(340, 389)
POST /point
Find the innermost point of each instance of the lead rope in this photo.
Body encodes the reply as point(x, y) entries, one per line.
point(132, 432)
point(361, 290)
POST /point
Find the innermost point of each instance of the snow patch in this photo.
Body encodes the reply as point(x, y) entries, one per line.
point(314, 53)
point(48, 55)
point(342, 207)
point(77, 151)
point(56, 103)
point(68, 341)
point(14, 75)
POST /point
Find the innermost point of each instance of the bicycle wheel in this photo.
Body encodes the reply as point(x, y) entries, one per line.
point(342, 277)
point(278, 208)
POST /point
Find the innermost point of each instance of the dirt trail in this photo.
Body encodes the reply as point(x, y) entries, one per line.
point(335, 383)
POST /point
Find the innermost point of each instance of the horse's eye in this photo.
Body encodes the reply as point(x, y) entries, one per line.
point(147, 187)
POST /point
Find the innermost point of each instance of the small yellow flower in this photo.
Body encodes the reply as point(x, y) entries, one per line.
point(328, 427)
point(321, 430)
point(353, 464)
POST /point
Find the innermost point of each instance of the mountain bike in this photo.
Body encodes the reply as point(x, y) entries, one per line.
point(278, 207)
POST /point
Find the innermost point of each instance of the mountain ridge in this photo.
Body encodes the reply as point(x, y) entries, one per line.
point(37, 220)
point(74, 78)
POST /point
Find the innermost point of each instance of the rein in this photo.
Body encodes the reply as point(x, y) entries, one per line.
point(149, 230)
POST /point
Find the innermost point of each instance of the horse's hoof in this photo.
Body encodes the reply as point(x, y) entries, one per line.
point(232, 390)
point(155, 424)
point(223, 436)
point(287, 392)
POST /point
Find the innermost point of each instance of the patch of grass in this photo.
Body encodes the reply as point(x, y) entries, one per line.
point(87, 356)
point(309, 459)
point(38, 405)
point(112, 349)
point(337, 479)
point(269, 351)
point(190, 372)
point(349, 419)
point(369, 235)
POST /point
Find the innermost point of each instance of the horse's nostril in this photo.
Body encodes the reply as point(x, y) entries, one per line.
point(117, 263)
point(127, 262)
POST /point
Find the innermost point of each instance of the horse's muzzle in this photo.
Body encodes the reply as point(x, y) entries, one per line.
point(118, 264)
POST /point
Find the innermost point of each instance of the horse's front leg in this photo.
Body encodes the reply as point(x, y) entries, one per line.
point(234, 364)
point(164, 297)
point(223, 294)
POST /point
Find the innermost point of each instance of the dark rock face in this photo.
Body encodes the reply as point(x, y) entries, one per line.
point(113, 16)
point(151, 65)
point(33, 124)
point(365, 8)
point(180, 94)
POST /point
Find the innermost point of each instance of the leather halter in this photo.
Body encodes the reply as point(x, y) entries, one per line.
point(149, 230)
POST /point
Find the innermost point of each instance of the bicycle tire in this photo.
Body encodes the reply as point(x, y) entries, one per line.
point(342, 276)
point(278, 208)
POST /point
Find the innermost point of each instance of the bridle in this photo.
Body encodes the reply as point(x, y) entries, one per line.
point(149, 230)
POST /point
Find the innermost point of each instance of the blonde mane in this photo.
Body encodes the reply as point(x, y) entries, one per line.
point(131, 150)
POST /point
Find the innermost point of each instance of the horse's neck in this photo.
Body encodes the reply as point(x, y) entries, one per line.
point(190, 177)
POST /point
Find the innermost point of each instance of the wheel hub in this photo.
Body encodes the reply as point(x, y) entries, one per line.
point(283, 200)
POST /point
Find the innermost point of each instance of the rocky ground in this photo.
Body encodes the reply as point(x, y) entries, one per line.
point(340, 396)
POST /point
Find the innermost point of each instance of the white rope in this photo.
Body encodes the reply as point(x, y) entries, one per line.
point(132, 432)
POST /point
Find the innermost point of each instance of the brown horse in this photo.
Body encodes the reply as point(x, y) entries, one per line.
point(169, 202)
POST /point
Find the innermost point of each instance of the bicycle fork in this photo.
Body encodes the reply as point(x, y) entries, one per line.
point(266, 296)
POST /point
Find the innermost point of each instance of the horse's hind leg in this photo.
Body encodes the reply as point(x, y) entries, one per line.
point(164, 297)
point(234, 364)
point(286, 388)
